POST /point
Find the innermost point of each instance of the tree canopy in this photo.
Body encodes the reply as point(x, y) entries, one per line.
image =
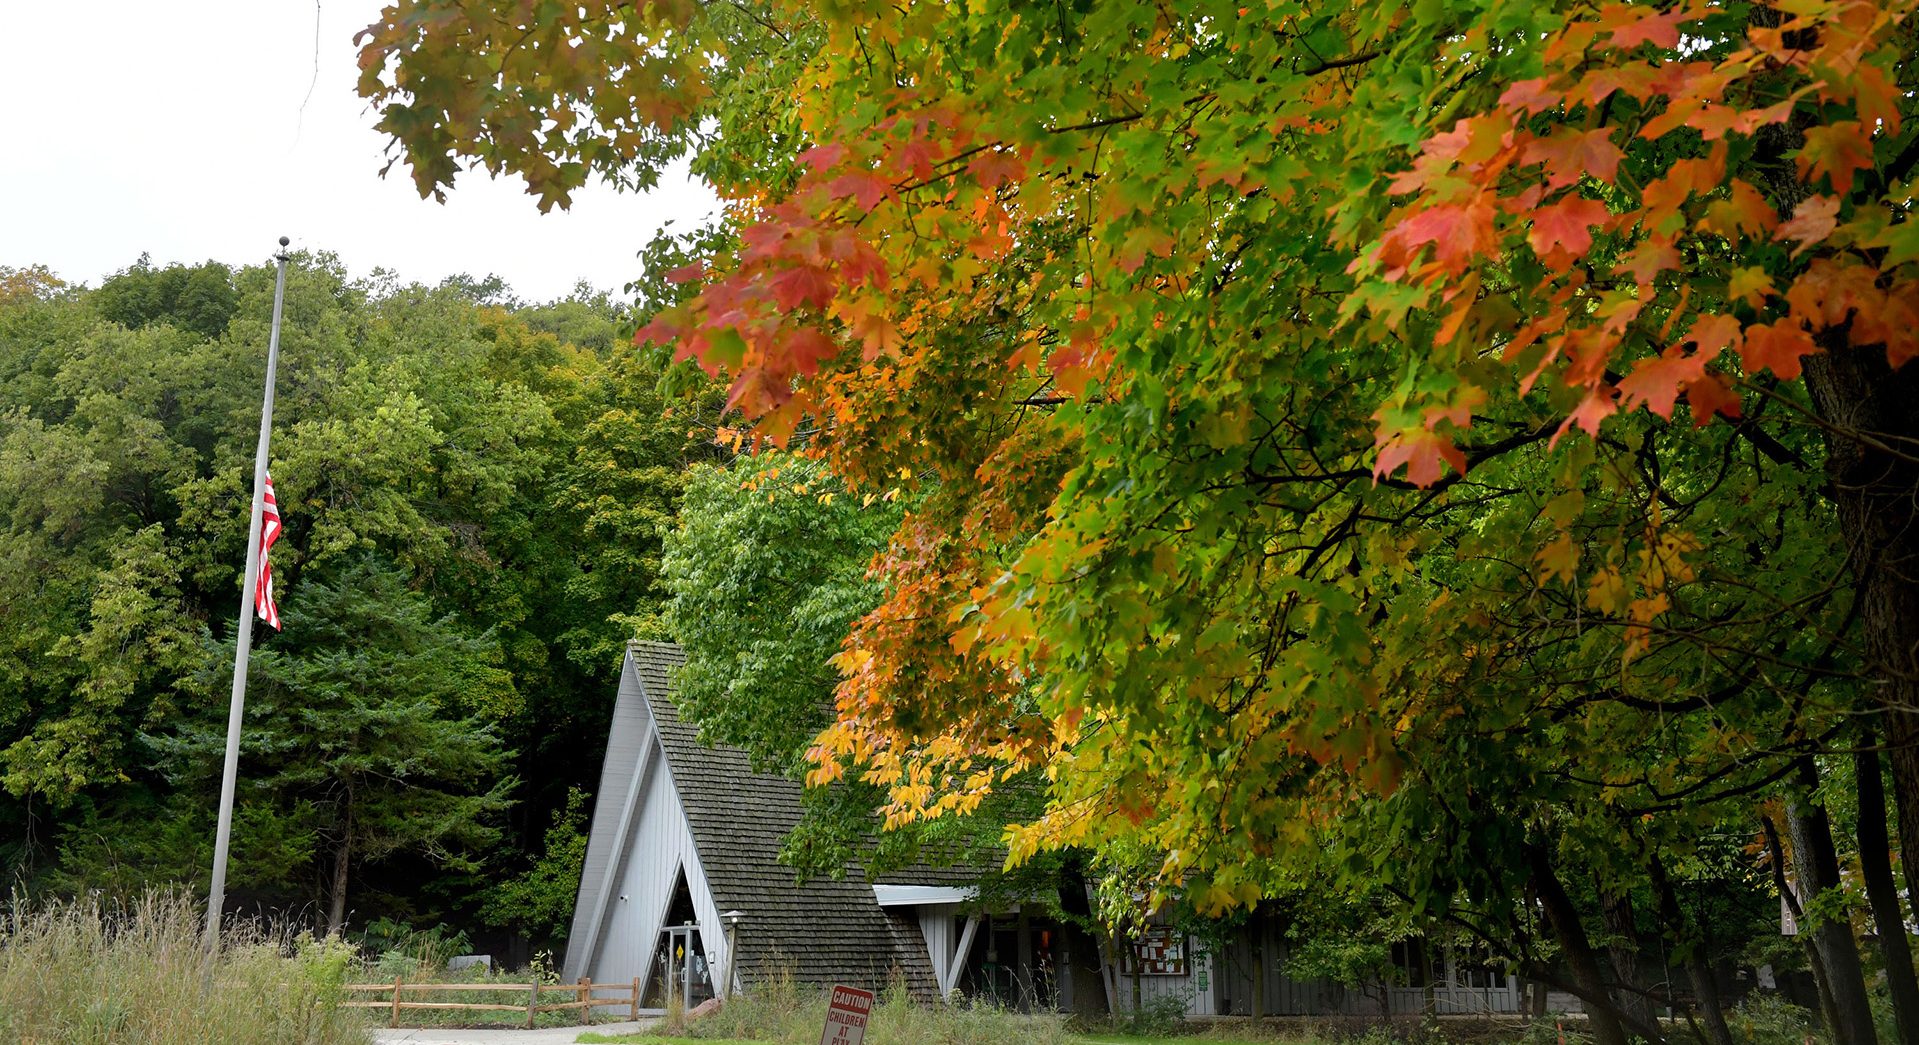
point(1472, 440)
point(474, 489)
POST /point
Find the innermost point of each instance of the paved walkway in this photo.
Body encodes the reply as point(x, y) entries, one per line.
point(542, 1036)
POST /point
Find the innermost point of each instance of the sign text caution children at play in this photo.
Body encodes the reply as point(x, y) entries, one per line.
point(846, 1016)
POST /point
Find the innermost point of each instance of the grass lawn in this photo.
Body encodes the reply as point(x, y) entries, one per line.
point(1115, 1038)
point(1073, 1040)
point(649, 1039)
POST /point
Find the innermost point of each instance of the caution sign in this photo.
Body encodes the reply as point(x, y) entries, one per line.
point(846, 1016)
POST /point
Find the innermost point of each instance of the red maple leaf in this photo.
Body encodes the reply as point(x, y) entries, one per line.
point(866, 189)
point(859, 262)
point(1566, 224)
point(807, 347)
point(1570, 154)
point(996, 165)
point(823, 157)
point(1711, 395)
point(1458, 232)
point(1530, 96)
point(663, 330)
point(916, 158)
point(764, 240)
point(799, 285)
point(1776, 347)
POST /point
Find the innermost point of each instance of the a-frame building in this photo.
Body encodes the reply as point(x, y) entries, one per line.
point(683, 833)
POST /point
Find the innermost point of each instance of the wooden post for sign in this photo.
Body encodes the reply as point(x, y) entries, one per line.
point(393, 1020)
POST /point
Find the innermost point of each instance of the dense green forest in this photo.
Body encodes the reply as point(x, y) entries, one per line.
point(475, 491)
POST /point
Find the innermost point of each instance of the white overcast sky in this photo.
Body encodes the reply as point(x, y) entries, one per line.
point(177, 129)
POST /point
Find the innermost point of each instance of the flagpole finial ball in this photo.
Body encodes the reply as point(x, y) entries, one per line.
point(284, 241)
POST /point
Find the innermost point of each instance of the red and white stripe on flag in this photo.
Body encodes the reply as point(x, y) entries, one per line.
point(263, 605)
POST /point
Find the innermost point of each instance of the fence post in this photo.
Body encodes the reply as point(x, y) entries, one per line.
point(393, 1020)
point(533, 1000)
point(583, 993)
point(634, 1013)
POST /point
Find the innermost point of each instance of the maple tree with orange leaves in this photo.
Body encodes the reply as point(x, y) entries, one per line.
point(1289, 402)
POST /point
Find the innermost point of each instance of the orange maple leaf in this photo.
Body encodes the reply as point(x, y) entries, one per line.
point(1567, 224)
point(1422, 452)
point(1458, 232)
point(1776, 347)
point(878, 334)
point(1711, 395)
point(1835, 150)
point(1570, 154)
point(1811, 221)
point(1742, 211)
point(1630, 27)
point(1649, 259)
point(1658, 381)
point(1594, 408)
point(1713, 334)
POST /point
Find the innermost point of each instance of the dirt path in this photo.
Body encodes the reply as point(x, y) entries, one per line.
point(543, 1036)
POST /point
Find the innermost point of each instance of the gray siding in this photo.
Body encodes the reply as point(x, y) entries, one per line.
point(629, 734)
point(666, 802)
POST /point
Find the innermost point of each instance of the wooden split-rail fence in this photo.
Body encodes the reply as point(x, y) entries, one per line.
point(584, 995)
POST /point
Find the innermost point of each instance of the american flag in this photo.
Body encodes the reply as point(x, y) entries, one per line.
point(263, 605)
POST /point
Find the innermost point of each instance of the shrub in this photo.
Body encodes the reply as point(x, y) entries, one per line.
point(1765, 1018)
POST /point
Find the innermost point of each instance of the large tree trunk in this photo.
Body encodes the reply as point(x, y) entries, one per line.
point(1622, 947)
point(1872, 416)
point(1888, 918)
point(1705, 989)
point(1601, 1007)
point(1818, 868)
point(336, 897)
point(1874, 482)
point(1821, 980)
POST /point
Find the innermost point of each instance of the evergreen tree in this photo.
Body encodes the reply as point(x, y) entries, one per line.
point(360, 729)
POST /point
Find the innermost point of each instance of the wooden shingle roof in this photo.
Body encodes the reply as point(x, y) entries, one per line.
point(824, 931)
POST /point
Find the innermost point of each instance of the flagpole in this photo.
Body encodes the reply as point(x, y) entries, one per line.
point(243, 646)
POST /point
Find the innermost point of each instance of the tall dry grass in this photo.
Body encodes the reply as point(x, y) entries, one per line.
point(86, 973)
point(780, 1010)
